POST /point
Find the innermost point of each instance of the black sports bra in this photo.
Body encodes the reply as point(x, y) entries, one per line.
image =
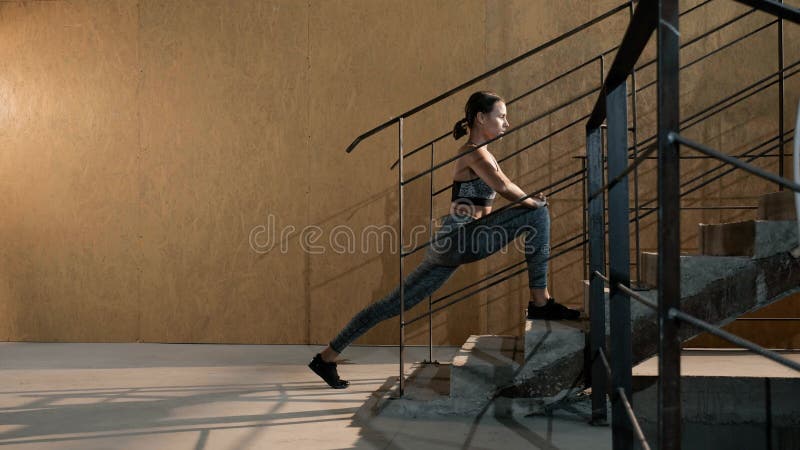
point(474, 192)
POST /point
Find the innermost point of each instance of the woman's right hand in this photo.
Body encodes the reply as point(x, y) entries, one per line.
point(539, 200)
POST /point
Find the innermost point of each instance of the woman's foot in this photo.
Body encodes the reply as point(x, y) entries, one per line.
point(327, 371)
point(552, 311)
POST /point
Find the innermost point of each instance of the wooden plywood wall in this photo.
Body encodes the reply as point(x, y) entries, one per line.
point(175, 171)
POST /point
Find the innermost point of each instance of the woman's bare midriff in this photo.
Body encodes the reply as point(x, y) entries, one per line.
point(469, 210)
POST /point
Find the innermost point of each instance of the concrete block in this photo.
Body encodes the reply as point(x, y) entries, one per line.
point(753, 238)
point(649, 262)
point(727, 239)
point(554, 358)
point(777, 206)
point(546, 339)
point(484, 364)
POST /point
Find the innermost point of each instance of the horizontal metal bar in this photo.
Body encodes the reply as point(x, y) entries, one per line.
point(634, 295)
point(732, 338)
point(632, 417)
point(639, 30)
point(489, 73)
point(781, 10)
point(675, 137)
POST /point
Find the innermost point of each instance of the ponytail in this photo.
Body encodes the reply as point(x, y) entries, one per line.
point(460, 129)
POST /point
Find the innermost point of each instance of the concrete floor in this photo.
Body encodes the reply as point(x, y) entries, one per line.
point(165, 396)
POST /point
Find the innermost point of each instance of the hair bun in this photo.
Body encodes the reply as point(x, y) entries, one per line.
point(460, 129)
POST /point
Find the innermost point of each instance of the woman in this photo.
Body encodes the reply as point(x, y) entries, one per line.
point(467, 234)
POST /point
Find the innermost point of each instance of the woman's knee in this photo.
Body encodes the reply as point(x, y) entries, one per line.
point(536, 218)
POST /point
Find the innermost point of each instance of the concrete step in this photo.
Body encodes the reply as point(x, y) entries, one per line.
point(752, 238)
point(509, 375)
point(554, 359)
point(649, 262)
point(546, 362)
point(484, 363)
point(777, 206)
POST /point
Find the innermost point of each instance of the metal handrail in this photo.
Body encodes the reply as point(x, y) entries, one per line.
point(634, 41)
point(487, 74)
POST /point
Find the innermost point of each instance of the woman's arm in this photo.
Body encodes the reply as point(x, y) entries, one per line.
point(482, 163)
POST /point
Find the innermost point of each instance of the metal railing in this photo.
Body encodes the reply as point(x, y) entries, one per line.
point(611, 106)
point(560, 185)
point(399, 120)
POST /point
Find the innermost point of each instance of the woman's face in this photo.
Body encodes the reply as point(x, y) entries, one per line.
point(494, 123)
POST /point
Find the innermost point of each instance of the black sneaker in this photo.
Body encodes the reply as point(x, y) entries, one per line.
point(552, 311)
point(327, 371)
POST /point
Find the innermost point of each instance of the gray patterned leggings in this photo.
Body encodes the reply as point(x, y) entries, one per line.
point(460, 240)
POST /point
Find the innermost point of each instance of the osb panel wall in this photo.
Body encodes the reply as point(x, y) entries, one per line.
point(69, 172)
point(174, 171)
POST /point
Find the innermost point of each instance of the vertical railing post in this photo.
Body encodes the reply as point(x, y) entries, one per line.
point(584, 214)
point(669, 280)
point(619, 263)
point(400, 252)
point(597, 249)
point(781, 79)
point(634, 137)
point(430, 297)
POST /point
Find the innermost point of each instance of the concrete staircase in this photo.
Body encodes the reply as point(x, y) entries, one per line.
point(746, 266)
